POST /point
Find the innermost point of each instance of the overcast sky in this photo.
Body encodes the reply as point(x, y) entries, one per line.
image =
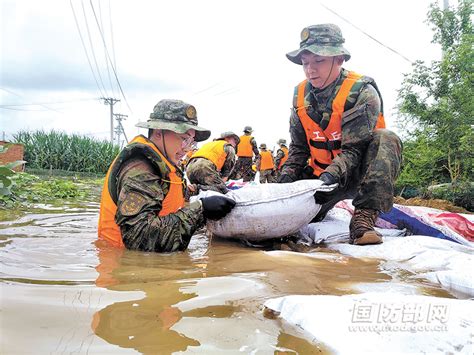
point(227, 58)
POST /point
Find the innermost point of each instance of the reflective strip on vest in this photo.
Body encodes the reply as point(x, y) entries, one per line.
point(174, 200)
point(266, 160)
point(245, 149)
point(325, 145)
point(213, 151)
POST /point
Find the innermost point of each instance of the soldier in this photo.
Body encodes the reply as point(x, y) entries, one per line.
point(185, 160)
point(142, 204)
point(246, 150)
point(337, 121)
point(210, 167)
point(265, 164)
point(281, 157)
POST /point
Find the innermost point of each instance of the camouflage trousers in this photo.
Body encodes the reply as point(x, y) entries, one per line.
point(204, 174)
point(371, 186)
point(243, 170)
point(266, 176)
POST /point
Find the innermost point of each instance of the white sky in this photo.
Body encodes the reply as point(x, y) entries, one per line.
point(227, 58)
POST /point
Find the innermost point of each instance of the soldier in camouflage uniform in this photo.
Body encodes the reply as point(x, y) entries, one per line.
point(209, 168)
point(337, 121)
point(142, 205)
point(265, 165)
point(246, 152)
point(280, 158)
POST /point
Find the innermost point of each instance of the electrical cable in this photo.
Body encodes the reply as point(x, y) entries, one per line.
point(85, 49)
point(92, 47)
point(108, 56)
point(365, 33)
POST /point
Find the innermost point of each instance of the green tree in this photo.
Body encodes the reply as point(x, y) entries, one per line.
point(436, 105)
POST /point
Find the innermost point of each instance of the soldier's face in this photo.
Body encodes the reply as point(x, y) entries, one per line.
point(175, 145)
point(321, 71)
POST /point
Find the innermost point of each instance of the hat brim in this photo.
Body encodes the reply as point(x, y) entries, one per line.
point(178, 127)
point(325, 51)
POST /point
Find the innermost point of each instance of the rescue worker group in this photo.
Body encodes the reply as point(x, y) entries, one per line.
point(338, 136)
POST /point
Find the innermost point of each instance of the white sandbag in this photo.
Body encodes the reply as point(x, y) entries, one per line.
point(268, 211)
point(375, 323)
point(335, 228)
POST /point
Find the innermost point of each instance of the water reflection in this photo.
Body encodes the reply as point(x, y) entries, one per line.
point(142, 324)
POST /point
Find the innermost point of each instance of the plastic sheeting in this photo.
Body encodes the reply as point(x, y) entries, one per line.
point(382, 322)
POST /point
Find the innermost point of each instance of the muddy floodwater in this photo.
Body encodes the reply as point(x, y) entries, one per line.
point(63, 293)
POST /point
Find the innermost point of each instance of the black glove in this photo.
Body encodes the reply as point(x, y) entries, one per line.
point(216, 207)
point(321, 197)
point(284, 178)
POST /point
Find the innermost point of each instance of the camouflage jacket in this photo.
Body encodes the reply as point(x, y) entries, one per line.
point(356, 134)
point(142, 183)
point(229, 160)
point(279, 156)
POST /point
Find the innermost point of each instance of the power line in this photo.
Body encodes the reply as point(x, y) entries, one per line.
point(18, 95)
point(108, 56)
point(365, 33)
point(105, 55)
point(92, 47)
point(47, 103)
point(85, 49)
point(112, 35)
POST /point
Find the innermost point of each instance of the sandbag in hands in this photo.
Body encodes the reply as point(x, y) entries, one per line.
point(324, 195)
point(266, 211)
point(216, 207)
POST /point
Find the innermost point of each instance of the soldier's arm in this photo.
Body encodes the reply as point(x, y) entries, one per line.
point(140, 200)
point(298, 153)
point(358, 125)
point(253, 142)
point(229, 160)
point(257, 161)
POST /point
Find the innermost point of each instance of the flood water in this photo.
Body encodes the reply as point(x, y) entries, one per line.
point(62, 292)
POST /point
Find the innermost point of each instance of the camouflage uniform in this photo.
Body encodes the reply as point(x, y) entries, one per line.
point(279, 156)
point(369, 162)
point(141, 188)
point(243, 166)
point(266, 176)
point(204, 174)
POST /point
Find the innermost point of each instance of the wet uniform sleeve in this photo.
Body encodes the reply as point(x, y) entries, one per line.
point(298, 152)
point(139, 202)
point(358, 125)
point(229, 160)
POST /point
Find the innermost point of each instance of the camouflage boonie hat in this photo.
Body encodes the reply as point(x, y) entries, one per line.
point(324, 40)
point(230, 134)
point(248, 129)
point(281, 141)
point(177, 116)
point(263, 146)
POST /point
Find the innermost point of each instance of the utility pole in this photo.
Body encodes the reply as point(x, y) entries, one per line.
point(119, 129)
point(111, 101)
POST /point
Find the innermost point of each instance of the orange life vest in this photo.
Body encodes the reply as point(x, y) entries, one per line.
point(325, 144)
point(266, 160)
point(245, 149)
point(213, 151)
point(173, 201)
point(285, 157)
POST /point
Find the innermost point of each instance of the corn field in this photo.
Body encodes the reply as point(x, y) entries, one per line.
point(58, 150)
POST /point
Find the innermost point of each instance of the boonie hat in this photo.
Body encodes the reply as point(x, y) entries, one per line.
point(324, 40)
point(177, 116)
point(230, 134)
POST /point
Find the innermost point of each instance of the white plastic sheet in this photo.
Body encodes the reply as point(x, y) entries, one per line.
point(375, 323)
